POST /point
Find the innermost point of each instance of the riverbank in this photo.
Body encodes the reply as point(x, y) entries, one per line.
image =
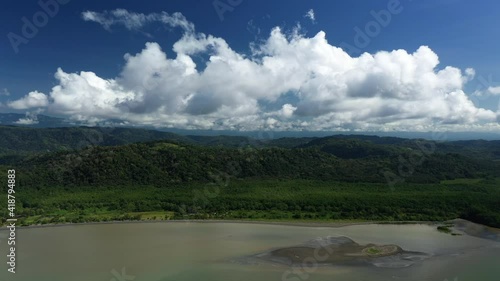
point(339, 223)
point(458, 225)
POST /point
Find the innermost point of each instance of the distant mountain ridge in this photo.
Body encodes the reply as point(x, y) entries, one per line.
point(45, 121)
point(21, 140)
point(36, 121)
point(145, 156)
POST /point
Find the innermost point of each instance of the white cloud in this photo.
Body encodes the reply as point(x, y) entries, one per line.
point(310, 15)
point(287, 110)
point(315, 85)
point(494, 90)
point(87, 94)
point(33, 99)
point(490, 91)
point(135, 21)
point(30, 119)
point(470, 72)
point(26, 121)
point(4, 92)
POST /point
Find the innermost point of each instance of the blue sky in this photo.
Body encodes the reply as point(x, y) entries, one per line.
point(462, 34)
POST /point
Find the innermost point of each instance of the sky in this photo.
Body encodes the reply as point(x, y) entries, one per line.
point(382, 65)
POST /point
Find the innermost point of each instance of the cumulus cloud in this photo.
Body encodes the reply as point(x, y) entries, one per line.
point(287, 82)
point(33, 99)
point(310, 15)
point(287, 110)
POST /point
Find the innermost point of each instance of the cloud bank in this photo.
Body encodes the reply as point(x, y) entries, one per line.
point(289, 82)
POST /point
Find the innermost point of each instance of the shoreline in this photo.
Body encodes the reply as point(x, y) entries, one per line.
point(467, 227)
point(332, 224)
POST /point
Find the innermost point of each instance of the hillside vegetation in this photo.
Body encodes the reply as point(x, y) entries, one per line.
point(88, 174)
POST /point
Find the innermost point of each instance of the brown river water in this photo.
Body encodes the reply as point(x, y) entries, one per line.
point(182, 251)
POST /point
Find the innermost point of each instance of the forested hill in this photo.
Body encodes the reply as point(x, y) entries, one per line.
point(22, 140)
point(16, 140)
point(71, 172)
point(113, 156)
point(163, 163)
